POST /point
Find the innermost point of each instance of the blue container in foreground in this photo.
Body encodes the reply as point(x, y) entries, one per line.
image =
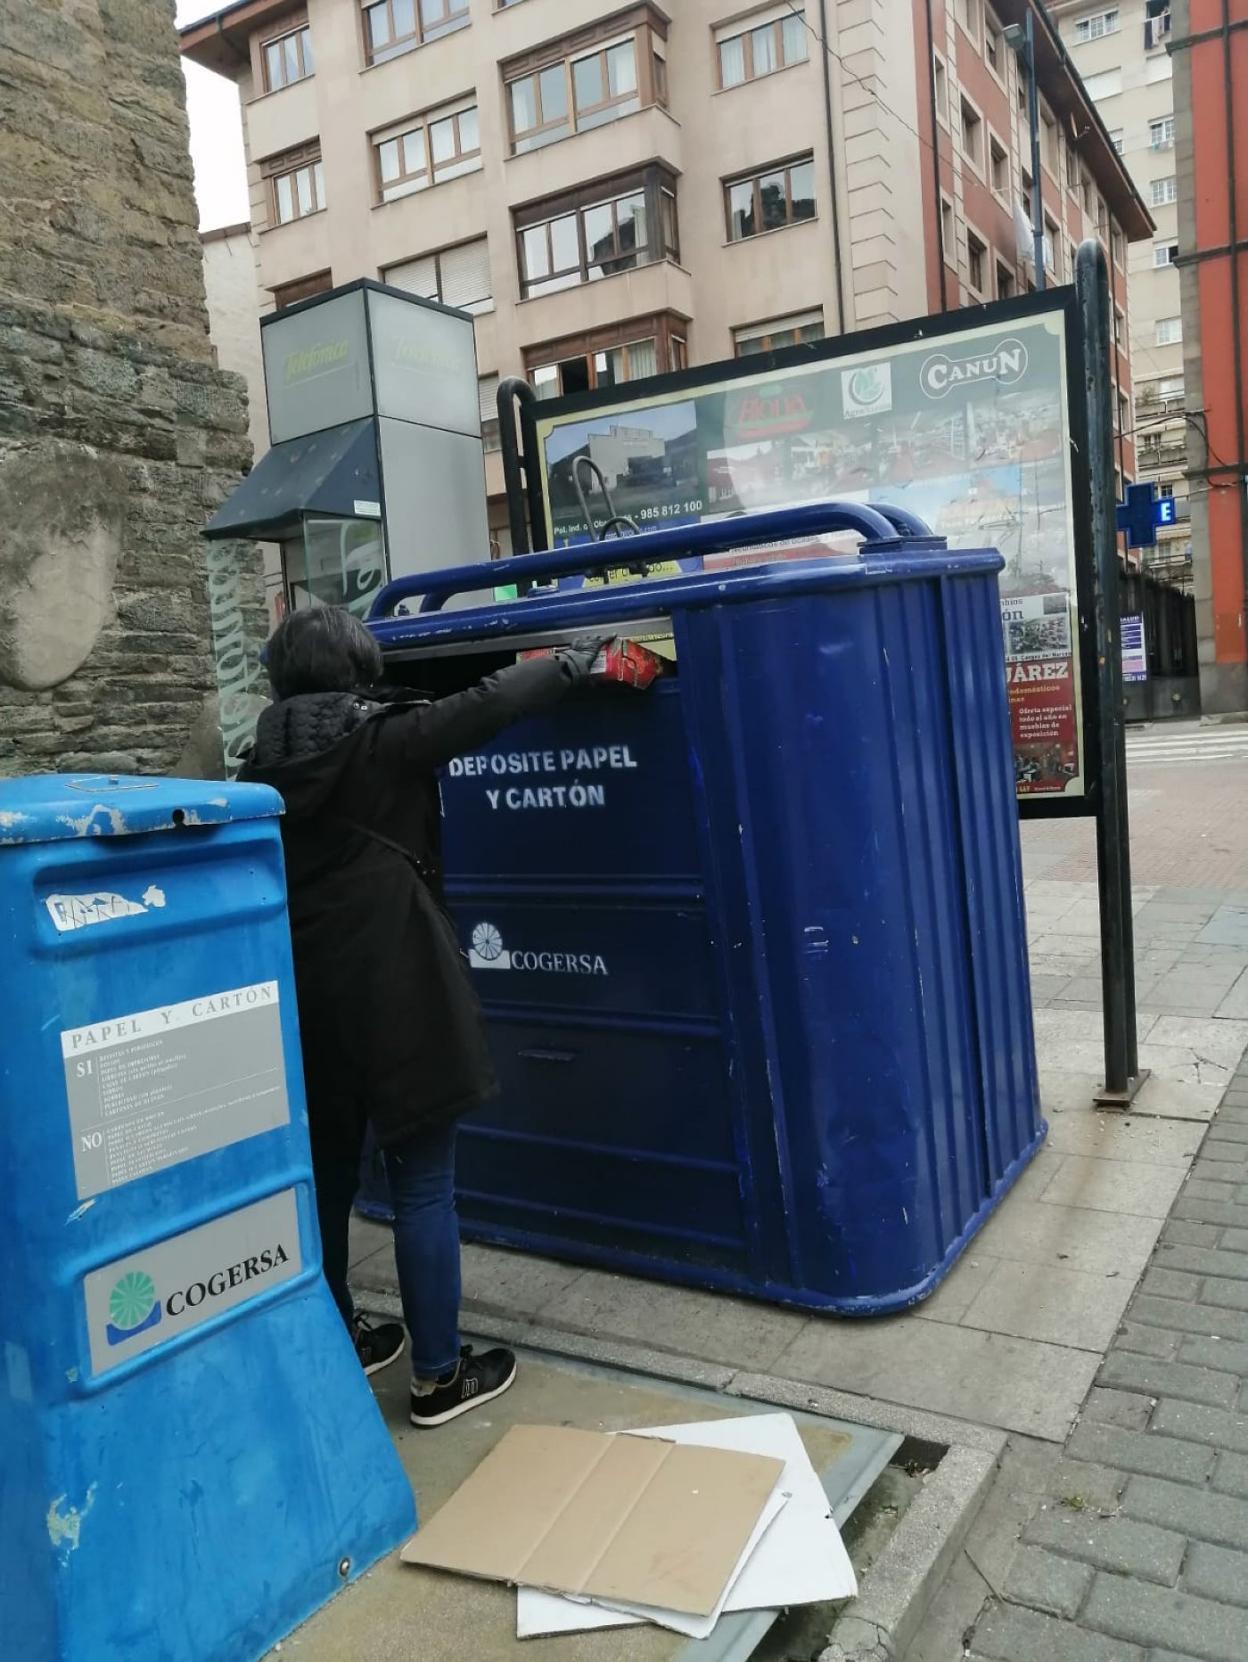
point(191, 1459)
point(751, 943)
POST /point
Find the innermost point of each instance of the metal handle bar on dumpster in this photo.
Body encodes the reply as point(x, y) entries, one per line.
point(881, 528)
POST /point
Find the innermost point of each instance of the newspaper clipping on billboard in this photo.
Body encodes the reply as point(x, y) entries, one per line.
point(966, 430)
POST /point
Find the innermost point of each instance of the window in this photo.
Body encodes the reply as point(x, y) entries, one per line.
point(487, 397)
point(597, 231)
point(1156, 23)
point(1171, 386)
point(303, 288)
point(1024, 196)
point(1169, 331)
point(1006, 286)
point(782, 331)
point(968, 17)
point(594, 78)
point(1072, 167)
point(948, 241)
point(1087, 196)
point(747, 54)
point(1094, 27)
point(994, 46)
point(288, 59)
point(426, 150)
point(998, 167)
point(296, 182)
point(1161, 133)
point(972, 135)
point(1105, 85)
point(1165, 253)
point(976, 262)
point(1163, 191)
point(457, 276)
point(607, 358)
point(769, 201)
point(1115, 138)
point(1052, 247)
point(1050, 150)
point(392, 27)
point(941, 88)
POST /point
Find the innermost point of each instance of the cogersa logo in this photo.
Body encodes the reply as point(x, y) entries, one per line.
point(1005, 364)
point(487, 952)
point(133, 1307)
point(868, 390)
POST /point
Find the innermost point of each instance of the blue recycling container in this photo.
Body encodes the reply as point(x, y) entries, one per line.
point(751, 943)
point(191, 1460)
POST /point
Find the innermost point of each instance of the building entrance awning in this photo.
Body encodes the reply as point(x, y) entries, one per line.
point(332, 473)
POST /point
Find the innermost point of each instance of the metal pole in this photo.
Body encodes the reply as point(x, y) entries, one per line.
point(1113, 850)
point(1033, 118)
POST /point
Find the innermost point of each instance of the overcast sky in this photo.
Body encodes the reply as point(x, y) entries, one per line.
point(216, 137)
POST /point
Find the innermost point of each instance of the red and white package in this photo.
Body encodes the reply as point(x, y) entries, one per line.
point(623, 662)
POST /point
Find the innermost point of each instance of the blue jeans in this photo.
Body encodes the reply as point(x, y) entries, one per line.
point(421, 1176)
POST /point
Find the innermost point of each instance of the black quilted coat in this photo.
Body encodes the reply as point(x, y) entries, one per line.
point(391, 1027)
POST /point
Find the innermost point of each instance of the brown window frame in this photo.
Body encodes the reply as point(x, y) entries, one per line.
point(746, 36)
point(661, 328)
point(318, 283)
point(655, 184)
point(399, 131)
point(977, 253)
point(1011, 281)
point(301, 33)
point(644, 25)
point(755, 177)
point(286, 165)
point(770, 343)
point(456, 13)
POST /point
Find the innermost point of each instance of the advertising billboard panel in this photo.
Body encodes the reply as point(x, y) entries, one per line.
point(966, 424)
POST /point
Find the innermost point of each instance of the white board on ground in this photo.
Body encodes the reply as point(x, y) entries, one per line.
point(799, 1559)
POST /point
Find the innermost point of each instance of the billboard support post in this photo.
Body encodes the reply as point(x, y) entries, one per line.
point(1113, 850)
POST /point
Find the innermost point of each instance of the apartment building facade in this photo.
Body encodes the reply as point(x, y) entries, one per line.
point(1121, 51)
point(648, 188)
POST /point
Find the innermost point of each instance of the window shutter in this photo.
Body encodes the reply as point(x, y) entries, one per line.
point(416, 276)
point(487, 391)
point(466, 274)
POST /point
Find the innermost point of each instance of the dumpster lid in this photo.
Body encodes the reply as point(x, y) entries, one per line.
point(55, 807)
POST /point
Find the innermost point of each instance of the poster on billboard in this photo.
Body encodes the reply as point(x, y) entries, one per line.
point(968, 427)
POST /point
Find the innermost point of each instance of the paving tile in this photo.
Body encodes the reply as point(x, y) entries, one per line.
point(1217, 1573)
point(1220, 1428)
point(709, 1326)
point(1227, 927)
point(1202, 1261)
point(1191, 1232)
point(1132, 1372)
point(1202, 1320)
point(1115, 1185)
point(1043, 1232)
point(1235, 1004)
point(1148, 1341)
point(991, 1378)
point(1142, 1452)
point(1009, 1634)
point(513, 1283)
point(1051, 1302)
point(1170, 1284)
point(1205, 1516)
point(1069, 1091)
point(1117, 1544)
point(1172, 1099)
point(960, 1288)
point(1230, 1474)
point(1135, 1611)
point(366, 1238)
point(1043, 1581)
point(1217, 1041)
point(1114, 1136)
point(1128, 1410)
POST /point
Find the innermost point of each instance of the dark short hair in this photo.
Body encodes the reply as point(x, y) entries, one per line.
point(321, 649)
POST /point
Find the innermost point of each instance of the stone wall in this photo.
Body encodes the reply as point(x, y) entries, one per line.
point(118, 432)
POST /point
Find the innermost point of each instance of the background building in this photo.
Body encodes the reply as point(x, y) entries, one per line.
point(1209, 48)
point(1121, 52)
point(645, 191)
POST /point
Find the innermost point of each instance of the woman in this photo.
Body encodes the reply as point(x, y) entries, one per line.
point(391, 1028)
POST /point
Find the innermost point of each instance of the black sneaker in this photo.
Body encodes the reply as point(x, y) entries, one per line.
point(477, 1379)
point(377, 1347)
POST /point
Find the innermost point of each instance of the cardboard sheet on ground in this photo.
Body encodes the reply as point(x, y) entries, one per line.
point(640, 1519)
point(800, 1558)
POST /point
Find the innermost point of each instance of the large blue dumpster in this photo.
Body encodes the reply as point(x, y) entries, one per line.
point(191, 1460)
point(751, 943)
